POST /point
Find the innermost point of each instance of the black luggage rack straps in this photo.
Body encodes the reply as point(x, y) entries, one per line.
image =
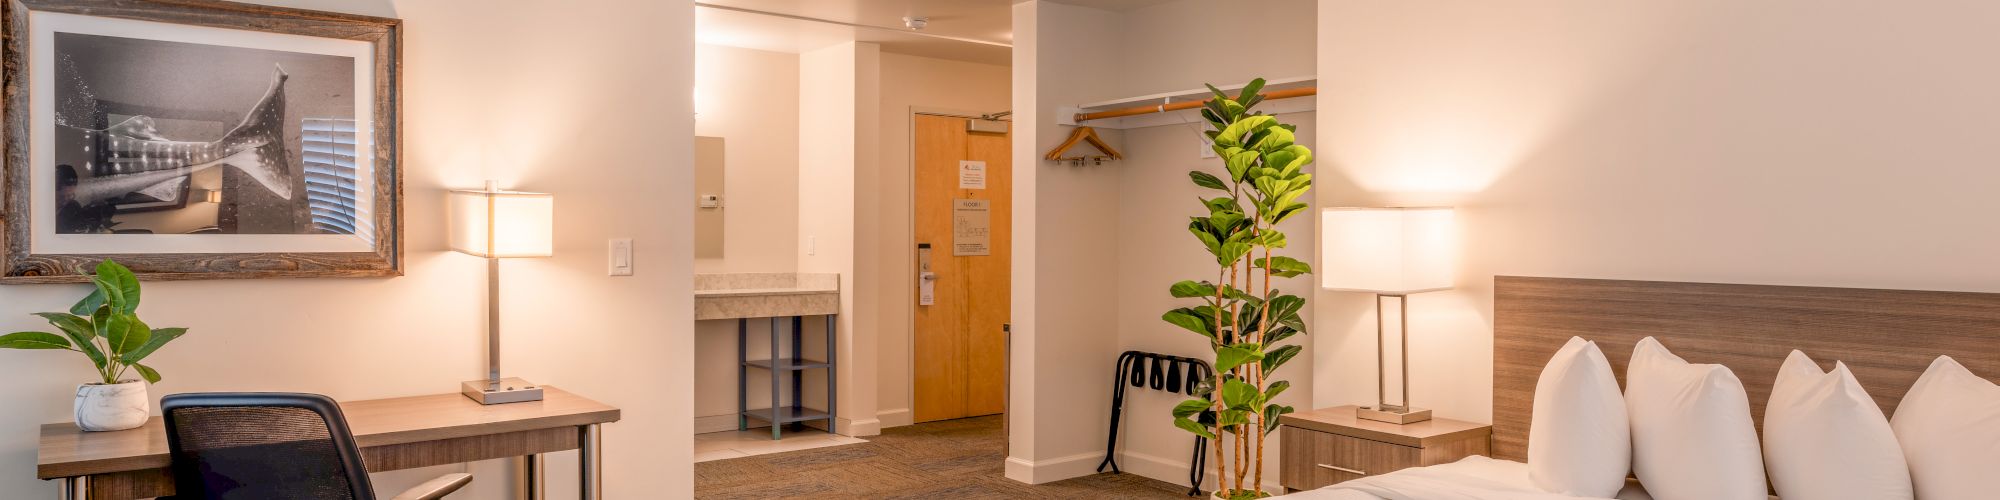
point(1160, 372)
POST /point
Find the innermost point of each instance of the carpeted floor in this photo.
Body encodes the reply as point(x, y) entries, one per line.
point(951, 459)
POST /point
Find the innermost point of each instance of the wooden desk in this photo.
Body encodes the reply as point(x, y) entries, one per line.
point(394, 434)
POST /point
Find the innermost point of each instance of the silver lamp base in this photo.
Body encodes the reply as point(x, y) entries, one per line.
point(1398, 415)
point(509, 390)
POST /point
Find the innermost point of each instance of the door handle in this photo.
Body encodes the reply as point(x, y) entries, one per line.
point(1343, 469)
point(926, 280)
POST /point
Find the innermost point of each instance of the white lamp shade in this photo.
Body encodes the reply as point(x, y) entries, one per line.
point(1391, 251)
point(503, 223)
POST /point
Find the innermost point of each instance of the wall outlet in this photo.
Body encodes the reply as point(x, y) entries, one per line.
point(621, 257)
point(709, 201)
point(812, 245)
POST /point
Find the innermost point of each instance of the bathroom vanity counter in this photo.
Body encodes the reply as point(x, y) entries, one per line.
point(765, 295)
point(785, 298)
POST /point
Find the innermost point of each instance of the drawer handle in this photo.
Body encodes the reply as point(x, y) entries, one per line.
point(1344, 469)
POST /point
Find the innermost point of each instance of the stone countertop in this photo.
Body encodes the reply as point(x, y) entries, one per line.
point(763, 295)
point(756, 292)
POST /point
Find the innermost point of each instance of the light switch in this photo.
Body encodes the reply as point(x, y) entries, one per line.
point(710, 201)
point(621, 257)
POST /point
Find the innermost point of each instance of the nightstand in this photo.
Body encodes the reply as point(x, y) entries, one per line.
point(1328, 446)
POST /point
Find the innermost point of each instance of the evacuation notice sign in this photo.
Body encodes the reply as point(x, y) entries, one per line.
point(971, 227)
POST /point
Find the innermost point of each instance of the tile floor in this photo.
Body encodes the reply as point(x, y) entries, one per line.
point(738, 444)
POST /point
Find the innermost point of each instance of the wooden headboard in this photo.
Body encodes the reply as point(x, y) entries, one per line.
point(1887, 337)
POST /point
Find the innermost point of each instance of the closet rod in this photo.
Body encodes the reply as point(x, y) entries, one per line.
point(1177, 106)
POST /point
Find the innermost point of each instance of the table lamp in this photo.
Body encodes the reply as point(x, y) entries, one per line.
point(1390, 252)
point(499, 224)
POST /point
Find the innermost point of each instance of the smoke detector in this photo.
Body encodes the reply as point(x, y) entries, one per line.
point(916, 23)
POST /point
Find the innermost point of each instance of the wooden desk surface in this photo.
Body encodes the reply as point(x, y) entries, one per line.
point(1340, 420)
point(66, 451)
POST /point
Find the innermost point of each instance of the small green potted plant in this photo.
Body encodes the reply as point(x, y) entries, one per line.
point(105, 328)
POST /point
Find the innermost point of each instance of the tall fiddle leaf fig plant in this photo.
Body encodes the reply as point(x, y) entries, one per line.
point(1244, 316)
point(104, 327)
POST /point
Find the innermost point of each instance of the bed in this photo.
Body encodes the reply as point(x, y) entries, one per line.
point(1887, 337)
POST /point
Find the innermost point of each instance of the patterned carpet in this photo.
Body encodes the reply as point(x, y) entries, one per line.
point(951, 459)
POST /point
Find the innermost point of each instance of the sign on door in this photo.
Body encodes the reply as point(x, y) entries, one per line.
point(971, 227)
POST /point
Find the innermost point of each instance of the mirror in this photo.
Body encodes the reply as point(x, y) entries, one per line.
point(708, 162)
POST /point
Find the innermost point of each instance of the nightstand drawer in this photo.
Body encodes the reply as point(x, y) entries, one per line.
point(1314, 459)
point(1329, 445)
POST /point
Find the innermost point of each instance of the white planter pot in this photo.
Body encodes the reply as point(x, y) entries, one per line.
point(1217, 495)
point(112, 407)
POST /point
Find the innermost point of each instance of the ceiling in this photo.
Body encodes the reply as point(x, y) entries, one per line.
point(987, 21)
point(1115, 5)
point(984, 26)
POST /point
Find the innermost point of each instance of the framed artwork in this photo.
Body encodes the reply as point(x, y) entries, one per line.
point(198, 139)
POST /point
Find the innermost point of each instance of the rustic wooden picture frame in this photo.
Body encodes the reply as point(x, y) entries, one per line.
point(19, 265)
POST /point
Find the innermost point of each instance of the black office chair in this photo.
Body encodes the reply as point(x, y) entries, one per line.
point(272, 445)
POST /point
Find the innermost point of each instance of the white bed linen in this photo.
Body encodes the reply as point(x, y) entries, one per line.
point(1474, 478)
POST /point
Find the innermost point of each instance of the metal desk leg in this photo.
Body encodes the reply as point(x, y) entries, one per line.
point(529, 483)
point(591, 463)
point(73, 488)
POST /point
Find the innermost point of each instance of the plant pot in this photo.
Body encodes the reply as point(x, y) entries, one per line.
point(112, 407)
point(1217, 495)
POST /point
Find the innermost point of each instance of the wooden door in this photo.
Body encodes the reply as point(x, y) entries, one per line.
point(959, 367)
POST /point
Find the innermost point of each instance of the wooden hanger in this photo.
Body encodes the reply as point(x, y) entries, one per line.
point(1085, 134)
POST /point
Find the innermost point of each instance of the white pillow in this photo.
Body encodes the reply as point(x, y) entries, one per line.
point(1825, 438)
point(1692, 436)
point(1579, 441)
point(1949, 427)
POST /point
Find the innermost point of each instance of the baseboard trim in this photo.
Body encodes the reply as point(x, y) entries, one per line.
point(858, 428)
point(1162, 469)
point(724, 423)
point(892, 418)
point(1054, 469)
point(715, 423)
point(896, 418)
point(1175, 471)
point(1020, 470)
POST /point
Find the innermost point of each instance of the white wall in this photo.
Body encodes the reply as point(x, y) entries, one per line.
point(1230, 42)
point(750, 98)
point(1788, 142)
point(910, 83)
point(1063, 343)
point(538, 95)
point(839, 115)
point(1098, 245)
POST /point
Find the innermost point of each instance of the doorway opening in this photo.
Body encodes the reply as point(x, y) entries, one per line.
point(962, 221)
